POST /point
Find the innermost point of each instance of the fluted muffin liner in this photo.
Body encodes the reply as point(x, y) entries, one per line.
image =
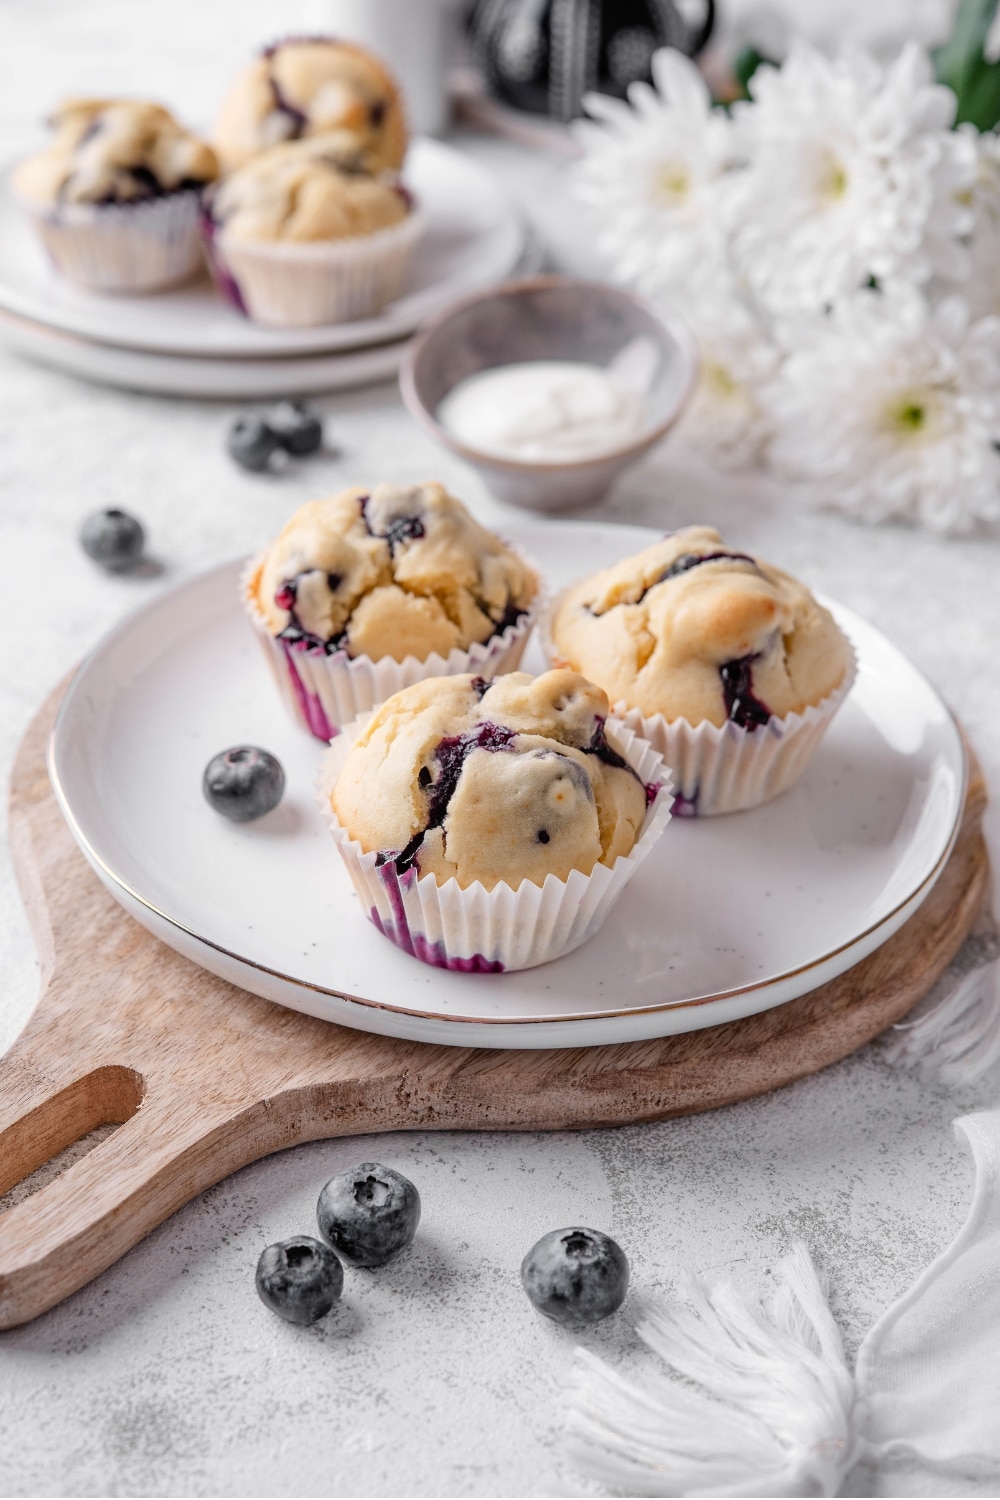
point(144, 246)
point(306, 285)
point(483, 932)
point(322, 693)
point(725, 768)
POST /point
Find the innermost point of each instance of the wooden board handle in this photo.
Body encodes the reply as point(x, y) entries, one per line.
point(164, 1152)
point(93, 1211)
point(37, 1121)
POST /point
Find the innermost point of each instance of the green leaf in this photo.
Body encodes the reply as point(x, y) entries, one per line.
point(748, 60)
point(963, 51)
point(960, 64)
point(979, 102)
point(966, 42)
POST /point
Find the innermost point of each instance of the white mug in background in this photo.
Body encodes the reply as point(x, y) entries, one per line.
point(415, 37)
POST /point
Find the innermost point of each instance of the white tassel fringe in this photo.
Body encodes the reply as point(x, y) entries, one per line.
point(766, 1406)
point(955, 1036)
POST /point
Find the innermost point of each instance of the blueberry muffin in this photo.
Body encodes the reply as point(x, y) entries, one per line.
point(504, 780)
point(115, 195)
point(695, 634)
point(367, 591)
point(401, 570)
point(319, 189)
point(306, 234)
point(309, 86)
point(491, 824)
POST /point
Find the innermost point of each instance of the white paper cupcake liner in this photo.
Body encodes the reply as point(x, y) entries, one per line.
point(322, 693)
point(729, 769)
point(726, 769)
point(478, 931)
point(124, 247)
point(307, 285)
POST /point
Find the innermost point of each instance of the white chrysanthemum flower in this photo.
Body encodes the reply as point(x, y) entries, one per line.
point(772, 25)
point(656, 170)
point(725, 417)
point(982, 287)
point(853, 173)
point(982, 197)
point(891, 410)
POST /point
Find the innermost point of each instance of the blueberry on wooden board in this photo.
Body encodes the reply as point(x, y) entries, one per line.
point(243, 783)
point(113, 538)
point(300, 1279)
point(575, 1276)
point(368, 1214)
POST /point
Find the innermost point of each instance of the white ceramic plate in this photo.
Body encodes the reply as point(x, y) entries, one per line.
point(727, 917)
point(181, 375)
point(474, 237)
point(219, 379)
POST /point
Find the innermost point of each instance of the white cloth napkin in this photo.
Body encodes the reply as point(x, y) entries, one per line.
point(765, 1403)
point(766, 1406)
point(955, 1033)
point(929, 1371)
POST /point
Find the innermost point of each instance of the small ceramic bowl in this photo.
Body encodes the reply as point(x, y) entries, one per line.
point(549, 318)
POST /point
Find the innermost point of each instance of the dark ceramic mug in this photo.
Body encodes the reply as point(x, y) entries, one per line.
point(544, 55)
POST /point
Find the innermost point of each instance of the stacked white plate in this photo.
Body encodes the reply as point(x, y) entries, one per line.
point(190, 342)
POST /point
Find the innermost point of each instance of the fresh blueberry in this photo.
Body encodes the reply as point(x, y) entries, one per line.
point(297, 426)
point(368, 1214)
point(243, 783)
point(251, 442)
point(575, 1276)
point(113, 538)
point(300, 1279)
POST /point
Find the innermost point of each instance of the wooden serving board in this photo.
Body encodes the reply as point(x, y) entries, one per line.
point(202, 1078)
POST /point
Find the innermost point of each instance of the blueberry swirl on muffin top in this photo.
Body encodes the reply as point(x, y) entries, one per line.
point(107, 151)
point(305, 86)
point(397, 571)
point(692, 629)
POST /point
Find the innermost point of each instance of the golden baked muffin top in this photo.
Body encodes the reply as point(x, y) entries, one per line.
point(307, 191)
point(310, 86)
point(114, 151)
point(508, 780)
point(401, 570)
point(692, 629)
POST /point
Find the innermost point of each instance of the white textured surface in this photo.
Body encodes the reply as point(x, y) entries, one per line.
point(167, 1375)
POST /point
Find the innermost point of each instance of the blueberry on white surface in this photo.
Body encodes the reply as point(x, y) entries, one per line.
point(368, 1214)
point(243, 782)
point(575, 1276)
point(297, 426)
point(251, 442)
point(300, 1279)
point(113, 538)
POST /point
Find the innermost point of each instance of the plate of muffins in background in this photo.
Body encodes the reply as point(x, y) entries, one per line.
point(577, 784)
point(299, 244)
